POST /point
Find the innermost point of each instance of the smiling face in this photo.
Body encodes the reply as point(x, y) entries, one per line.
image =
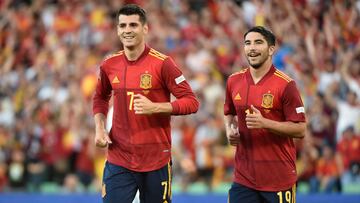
point(257, 49)
point(131, 31)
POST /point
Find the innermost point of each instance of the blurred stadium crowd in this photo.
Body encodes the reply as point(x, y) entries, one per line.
point(49, 56)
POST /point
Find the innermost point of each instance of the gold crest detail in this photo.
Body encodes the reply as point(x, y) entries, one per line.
point(145, 81)
point(103, 190)
point(267, 100)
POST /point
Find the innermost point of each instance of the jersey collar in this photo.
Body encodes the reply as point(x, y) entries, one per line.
point(263, 79)
point(142, 56)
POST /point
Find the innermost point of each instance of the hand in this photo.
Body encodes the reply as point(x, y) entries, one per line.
point(102, 138)
point(255, 120)
point(233, 135)
point(143, 105)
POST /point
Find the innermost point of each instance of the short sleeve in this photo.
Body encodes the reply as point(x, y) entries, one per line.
point(229, 108)
point(293, 106)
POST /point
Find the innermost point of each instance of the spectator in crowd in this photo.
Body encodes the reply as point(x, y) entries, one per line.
point(348, 149)
point(327, 174)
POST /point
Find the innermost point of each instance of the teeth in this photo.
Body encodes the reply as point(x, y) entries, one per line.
point(253, 55)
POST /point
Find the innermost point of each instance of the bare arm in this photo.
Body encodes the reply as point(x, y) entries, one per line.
point(229, 120)
point(330, 99)
point(143, 105)
point(285, 128)
point(101, 136)
point(232, 133)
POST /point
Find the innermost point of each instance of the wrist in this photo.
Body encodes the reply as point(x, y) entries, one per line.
point(162, 108)
point(267, 123)
point(156, 108)
point(99, 128)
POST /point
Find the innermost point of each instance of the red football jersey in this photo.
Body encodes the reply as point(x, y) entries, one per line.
point(141, 142)
point(263, 160)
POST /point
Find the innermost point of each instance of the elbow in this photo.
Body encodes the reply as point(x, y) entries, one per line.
point(185, 107)
point(192, 107)
point(302, 131)
point(196, 106)
point(300, 135)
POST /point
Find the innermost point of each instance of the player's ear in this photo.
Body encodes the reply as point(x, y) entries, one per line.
point(146, 28)
point(271, 50)
point(118, 30)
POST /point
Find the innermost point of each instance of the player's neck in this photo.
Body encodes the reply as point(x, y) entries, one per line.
point(132, 54)
point(258, 73)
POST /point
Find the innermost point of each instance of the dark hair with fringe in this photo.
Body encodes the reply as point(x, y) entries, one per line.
point(267, 34)
point(133, 9)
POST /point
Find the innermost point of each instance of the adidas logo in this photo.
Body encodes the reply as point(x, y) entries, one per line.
point(237, 97)
point(115, 80)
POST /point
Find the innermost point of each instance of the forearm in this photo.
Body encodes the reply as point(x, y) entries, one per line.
point(287, 128)
point(185, 105)
point(101, 136)
point(228, 121)
point(162, 107)
point(100, 120)
point(329, 96)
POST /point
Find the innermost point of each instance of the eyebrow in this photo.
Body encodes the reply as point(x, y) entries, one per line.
point(257, 40)
point(131, 23)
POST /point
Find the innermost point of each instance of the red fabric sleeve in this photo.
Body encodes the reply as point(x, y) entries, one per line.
point(186, 102)
point(293, 106)
point(102, 94)
point(229, 108)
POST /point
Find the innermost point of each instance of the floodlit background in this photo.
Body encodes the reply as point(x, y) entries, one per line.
point(49, 56)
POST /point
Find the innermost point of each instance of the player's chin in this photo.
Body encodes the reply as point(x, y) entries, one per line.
point(256, 65)
point(130, 43)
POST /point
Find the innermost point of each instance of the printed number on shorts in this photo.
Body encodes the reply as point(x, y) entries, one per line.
point(287, 196)
point(165, 184)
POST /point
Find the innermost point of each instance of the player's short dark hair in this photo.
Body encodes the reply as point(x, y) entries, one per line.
point(267, 34)
point(133, 9)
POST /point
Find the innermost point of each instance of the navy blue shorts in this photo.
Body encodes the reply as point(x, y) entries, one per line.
point(242, 194)
point(120, 185)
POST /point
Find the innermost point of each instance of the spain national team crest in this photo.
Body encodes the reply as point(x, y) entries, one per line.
point(267, 100)
point(145, 81)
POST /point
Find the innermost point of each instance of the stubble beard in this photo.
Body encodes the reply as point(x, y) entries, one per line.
point(256, 65)
point(259, 64)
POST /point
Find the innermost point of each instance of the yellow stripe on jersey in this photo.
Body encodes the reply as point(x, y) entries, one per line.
point(154, 55)
point(239, 72)
point(115, 54)
point(169, 174)
point(157, 53)
point(281, 76)
point(294, 193)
